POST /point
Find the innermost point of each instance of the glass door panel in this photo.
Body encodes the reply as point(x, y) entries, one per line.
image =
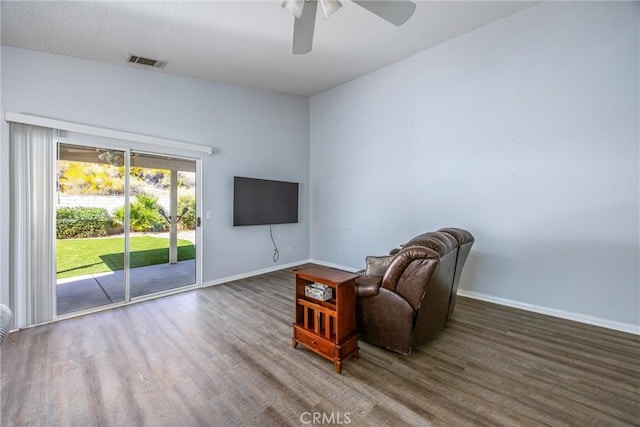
point(90, 241)
point(162, 223)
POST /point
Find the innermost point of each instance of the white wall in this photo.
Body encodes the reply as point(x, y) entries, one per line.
point(524, 132)
point(255, 133)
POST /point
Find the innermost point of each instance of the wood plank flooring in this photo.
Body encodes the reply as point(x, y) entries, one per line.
point(222, 356)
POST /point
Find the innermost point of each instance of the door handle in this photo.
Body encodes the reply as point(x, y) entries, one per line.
point(198, 222)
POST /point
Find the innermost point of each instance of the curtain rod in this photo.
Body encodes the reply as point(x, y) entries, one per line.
point(104, 132)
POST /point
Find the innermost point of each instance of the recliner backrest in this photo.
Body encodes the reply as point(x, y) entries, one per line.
point(432, 309)
point(439, 242)
point(409, 273)
point(447, 248)
point(413, 283)
point(465, 242)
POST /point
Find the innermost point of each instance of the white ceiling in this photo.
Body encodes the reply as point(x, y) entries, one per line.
point(240, 42)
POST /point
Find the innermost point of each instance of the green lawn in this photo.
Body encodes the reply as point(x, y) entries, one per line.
point(77, 257)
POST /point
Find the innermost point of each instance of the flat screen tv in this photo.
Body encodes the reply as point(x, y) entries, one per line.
point(262, 201)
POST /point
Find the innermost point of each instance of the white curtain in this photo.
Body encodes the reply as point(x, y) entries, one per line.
point(32, 246)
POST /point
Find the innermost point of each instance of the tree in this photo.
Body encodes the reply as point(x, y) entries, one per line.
point(144, 214)
point(90, 178)
point(188, 219)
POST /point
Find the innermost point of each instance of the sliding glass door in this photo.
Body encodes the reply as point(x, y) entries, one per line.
point(162, 226)
point(90, 244)
point(125, 225)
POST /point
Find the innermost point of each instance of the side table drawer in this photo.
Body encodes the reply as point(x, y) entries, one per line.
point(315, 343)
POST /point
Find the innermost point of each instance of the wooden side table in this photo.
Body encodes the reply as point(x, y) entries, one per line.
point(327, 327)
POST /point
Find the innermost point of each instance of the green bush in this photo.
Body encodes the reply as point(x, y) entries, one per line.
point(143, 215)
point(188, 220)
point(81, 222)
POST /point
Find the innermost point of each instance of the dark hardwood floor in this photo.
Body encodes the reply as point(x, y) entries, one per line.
point(222, 356)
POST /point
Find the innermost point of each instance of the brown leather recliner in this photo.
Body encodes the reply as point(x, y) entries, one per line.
point(412, 302)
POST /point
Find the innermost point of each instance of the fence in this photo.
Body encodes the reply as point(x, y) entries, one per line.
point(108, 202)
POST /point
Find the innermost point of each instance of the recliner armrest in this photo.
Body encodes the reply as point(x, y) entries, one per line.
point(368, 286)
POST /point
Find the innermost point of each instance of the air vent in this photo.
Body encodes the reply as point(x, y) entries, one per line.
point(147, 61)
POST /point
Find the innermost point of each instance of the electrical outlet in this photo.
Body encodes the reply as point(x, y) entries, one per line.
point(339, 249)
point(208, 215)
point(289, 248)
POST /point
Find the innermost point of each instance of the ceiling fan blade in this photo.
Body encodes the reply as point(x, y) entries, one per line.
point(303, 28)
point(395, 12)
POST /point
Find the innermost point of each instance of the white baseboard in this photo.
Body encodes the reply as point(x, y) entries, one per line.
point(590, 320)
point(253, 273)
point(331, 265)
point(583, 318)
point(275, 268)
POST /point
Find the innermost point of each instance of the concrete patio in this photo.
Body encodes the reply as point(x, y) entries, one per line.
point(81, 293)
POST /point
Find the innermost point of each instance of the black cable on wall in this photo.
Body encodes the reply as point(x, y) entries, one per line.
point(276, 252)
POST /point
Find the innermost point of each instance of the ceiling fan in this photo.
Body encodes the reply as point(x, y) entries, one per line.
point(396, 12)
point(113, 157)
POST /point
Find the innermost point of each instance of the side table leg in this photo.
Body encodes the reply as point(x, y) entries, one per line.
point(337, 365)
point(294, 343)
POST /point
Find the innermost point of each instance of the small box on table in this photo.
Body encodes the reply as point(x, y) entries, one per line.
point(318, 291)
